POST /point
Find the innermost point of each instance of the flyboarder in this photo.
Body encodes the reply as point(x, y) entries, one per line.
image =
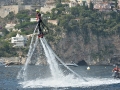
point(38, 14)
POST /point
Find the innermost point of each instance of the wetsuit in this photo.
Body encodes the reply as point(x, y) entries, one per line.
point(39, 22)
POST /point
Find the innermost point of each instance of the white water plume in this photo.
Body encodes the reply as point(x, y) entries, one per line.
point(57, 58)
point(22, 73)
point(55, 70)
point(51, 57)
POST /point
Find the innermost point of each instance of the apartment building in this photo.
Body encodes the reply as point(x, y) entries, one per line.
point(106, 5)
point(18, 41)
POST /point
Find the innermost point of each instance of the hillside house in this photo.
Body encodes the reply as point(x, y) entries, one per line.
point(18, 41)
point(33, 19)
point(102, 6)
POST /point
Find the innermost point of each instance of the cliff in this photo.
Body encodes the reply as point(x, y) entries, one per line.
point(98, 51)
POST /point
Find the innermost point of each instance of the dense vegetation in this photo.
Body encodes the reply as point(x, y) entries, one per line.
point(80, 20)
point(83, 20)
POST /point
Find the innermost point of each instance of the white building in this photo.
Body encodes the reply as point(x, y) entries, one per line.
point(18, 41)
point(33, 19)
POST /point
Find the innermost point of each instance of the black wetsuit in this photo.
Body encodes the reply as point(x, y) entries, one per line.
point(39, 22)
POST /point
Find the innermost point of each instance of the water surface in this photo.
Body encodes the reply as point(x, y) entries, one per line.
point(98, 77)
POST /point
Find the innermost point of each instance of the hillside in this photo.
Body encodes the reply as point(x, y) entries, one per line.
point(87, 35)
point(82, 34)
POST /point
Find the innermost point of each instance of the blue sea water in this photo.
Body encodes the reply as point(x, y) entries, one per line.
point(98, 78)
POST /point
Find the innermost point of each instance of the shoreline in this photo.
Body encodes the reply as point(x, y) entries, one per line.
point(13, 60)
point(22, 60)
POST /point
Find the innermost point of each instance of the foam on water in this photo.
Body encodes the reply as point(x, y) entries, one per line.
point(68, 81)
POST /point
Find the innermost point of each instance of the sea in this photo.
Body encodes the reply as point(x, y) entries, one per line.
point(39, 78)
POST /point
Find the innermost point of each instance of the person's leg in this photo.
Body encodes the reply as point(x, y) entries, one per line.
point(40, 30)
point(39, 27)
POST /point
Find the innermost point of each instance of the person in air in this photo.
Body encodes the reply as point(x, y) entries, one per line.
point(116, 71)
point(38, 15)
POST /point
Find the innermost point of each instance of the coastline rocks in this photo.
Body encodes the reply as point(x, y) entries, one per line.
point(13, 60)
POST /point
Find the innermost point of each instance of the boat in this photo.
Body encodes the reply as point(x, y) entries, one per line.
point(116, 74)
point(70, 64)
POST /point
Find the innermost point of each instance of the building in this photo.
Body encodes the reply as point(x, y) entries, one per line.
point(5, 10)
point(103, 6)
point(18, 41)
point(33, 19)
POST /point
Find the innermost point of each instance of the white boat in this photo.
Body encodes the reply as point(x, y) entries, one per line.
point(70, 64)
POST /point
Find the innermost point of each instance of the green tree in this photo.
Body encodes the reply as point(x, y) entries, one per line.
point(91, 6)
point(10, 16)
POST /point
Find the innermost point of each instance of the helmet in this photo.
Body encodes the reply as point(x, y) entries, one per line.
point(37, 10)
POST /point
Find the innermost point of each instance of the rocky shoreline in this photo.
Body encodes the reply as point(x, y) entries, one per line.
point(22, 60)
point(19, 61)
point(13, 60)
